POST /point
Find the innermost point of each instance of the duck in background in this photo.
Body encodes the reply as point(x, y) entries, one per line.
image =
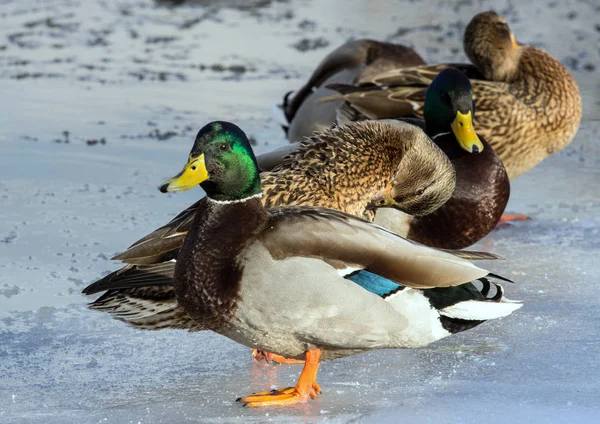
point(528, 104)
point(311, 283)
point(351, 63)
point(482, 185)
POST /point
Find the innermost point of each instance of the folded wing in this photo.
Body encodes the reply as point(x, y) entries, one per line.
point(347, 242)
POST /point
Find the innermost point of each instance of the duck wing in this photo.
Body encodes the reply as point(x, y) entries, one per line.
point(346, 242)
point(394, 93)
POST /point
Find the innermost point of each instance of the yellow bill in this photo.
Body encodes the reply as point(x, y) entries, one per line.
point(514, 40)
point(383, 199)
point(463, 130)
point(192, 174)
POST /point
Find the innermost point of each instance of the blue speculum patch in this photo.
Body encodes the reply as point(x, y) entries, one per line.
point(375, 283)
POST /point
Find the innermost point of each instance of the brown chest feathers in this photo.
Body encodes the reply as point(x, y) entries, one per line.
point(208, 269)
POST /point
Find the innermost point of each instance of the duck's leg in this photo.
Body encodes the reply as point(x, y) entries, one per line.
point(305, 388)
point(272, 357)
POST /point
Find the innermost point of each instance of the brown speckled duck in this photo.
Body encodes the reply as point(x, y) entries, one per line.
point(311, 283)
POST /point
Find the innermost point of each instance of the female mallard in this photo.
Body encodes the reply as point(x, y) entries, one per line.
point(482, 185)
point(306, 282)
point(528, 104)
point(352, 168)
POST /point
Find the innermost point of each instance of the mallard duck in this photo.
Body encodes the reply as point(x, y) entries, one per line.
point(354, 168)
point(528, 104)
point(348, 64)
point(482, 185)
point(307, 282)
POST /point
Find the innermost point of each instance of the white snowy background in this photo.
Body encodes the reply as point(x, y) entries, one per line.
point(100, 101)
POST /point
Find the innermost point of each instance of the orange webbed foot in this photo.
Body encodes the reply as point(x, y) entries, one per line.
point(306, 387)
point(280, 397)
point(519, 217)
point(272, 357)
point(507, 219)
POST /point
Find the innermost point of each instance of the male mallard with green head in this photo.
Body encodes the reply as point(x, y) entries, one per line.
point(307, 282)
point(482, 185)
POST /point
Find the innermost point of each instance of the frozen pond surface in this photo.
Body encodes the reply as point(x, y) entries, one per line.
point(128, 83)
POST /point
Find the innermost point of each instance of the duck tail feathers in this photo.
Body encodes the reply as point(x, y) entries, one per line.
point(490, 304)
point(148, 308)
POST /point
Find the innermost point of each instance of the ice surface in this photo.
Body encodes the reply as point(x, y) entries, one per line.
point(145, 78)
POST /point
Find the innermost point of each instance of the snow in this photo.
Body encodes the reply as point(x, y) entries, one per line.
point(108, 70)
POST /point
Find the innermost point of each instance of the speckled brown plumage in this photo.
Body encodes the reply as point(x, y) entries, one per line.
point(339, 169)
point(533, 116)
point(528, 105)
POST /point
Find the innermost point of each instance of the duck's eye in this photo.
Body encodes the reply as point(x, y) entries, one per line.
point(445, 97)
point(224, 146)
point(419, 192)
point(193, 167)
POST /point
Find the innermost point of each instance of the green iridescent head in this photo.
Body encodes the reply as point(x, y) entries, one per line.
point(222, 162)
point(449, 107)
